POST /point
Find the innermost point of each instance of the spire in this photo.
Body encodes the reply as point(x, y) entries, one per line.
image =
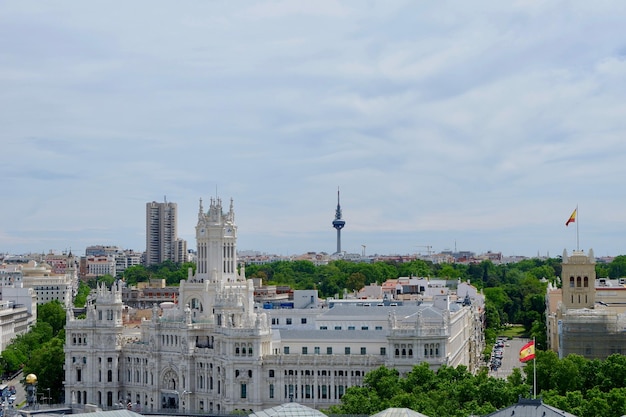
point(201, 209)
point(338, 211)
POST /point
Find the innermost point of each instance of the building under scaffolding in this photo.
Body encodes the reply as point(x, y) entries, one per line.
point(586, 315)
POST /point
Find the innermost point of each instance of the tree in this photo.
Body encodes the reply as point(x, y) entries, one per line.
point(617, 268)
point(355, 281)
point(107, 279)
point(47, 363)
point(81, 297)
point(134, 274)
point(53, 314)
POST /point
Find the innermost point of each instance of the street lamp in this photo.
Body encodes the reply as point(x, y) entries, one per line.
point(185, 392)
point(49, 399)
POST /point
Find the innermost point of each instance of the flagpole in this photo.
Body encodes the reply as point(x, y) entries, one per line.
point(535, 371)
point(577, 222)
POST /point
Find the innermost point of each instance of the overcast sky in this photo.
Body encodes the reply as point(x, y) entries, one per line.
point(475, 125)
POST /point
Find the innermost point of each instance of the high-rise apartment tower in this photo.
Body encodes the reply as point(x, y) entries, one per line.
point(161, 232)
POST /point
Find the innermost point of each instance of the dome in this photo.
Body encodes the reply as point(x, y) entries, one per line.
point(31, 379)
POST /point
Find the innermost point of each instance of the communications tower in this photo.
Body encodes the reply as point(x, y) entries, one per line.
point(338, 223)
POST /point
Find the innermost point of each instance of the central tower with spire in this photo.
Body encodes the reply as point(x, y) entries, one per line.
point(216, 236)
point(338, 223)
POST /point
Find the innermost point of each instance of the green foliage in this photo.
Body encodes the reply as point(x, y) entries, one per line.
point(47, 363)
point(81, 297)
point(170, 271)
point(355, 281)
point(587, 388)
point(107, 280)
point(617, 267)
point(52, 313)
point(134, 274)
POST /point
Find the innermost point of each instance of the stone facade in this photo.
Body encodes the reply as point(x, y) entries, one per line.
point(216, 350)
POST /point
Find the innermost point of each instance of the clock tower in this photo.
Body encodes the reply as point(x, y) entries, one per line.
point(216, 237)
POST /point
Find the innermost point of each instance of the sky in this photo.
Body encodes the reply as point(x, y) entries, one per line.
point(446, 125)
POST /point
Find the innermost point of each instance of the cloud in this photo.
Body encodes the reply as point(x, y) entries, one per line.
point(481, 123)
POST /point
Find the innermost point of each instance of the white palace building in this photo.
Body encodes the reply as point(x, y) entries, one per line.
point(217, 351)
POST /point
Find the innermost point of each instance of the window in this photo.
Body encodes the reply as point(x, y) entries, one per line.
point(271, 390)
point(78, 375)
point(305, 350)
point(109, 376)
point(383, 351)
point(286, 350)
point(271, 373)
point(316, 350)
point(364, 328)
point(337, 327)
point(347, 350)
point(363, 351)
point(323, 327)
point(329, 350)
point(289, 321)
point(303, 320)
point(244, 390)
point(351, 328)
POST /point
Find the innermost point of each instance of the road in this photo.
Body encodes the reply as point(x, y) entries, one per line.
point(510, 358)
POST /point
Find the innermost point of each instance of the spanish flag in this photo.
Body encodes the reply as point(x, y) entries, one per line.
point(572, 218)
point(527, 352)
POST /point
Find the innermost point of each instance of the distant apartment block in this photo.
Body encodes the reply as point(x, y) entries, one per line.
point(48, 285)
point(98, 266)
point(161, 234)
point(18, 305)
point(126, 259)
point(15, 320)
point(148, 294)
point(10, 275)
point(102, 250)
point(181, 254)
point(102, 260)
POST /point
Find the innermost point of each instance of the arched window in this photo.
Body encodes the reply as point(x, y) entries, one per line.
point(586, 282)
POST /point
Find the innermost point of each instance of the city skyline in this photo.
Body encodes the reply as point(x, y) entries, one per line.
point(472, 126)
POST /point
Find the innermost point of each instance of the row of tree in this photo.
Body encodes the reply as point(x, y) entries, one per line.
point(40, 351)
point(586, 388)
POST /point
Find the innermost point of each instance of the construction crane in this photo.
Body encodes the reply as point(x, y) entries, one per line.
point(429, 249)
